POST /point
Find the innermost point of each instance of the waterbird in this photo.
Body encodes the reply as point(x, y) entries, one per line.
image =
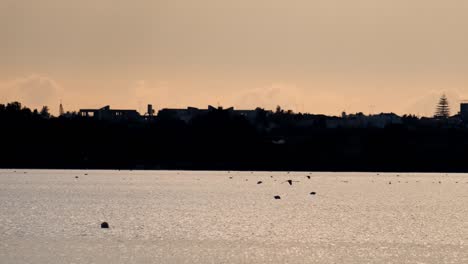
point(390, 182)
point(290, 181)
point(277, 197)
point(313, 193)
point(104, 225)
point(259, 182)
point(308, 177)
point(230, 177)
point(76, 177)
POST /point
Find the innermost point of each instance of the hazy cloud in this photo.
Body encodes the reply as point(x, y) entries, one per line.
point(33, 91)
point(270, 96)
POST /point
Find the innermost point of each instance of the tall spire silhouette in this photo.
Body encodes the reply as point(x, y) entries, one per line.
point(61, 111)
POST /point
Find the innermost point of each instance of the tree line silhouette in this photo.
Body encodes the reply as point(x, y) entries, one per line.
point(220, 140)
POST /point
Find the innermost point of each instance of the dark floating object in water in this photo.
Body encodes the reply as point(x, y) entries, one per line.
point(277, 197)
point(390, 182)
point(230, 177)
point(86, 174)
point(76, 177)
point(246, 179)
point(259, 182)
point(104, 225)
point(313, 193)
point(440, 182)
point(308, 177)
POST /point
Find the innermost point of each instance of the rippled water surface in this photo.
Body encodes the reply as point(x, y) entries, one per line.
point(226, 217)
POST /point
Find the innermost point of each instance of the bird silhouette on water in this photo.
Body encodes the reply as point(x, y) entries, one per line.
point(313, 193)
point(104, 225)
point(290, 181)
point(277, 197)
point(308, 177)
point(259, 182)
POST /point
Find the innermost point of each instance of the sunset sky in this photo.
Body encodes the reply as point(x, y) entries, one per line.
point(318, 56)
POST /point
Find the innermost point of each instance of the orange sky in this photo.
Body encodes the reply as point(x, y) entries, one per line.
point(311, 56)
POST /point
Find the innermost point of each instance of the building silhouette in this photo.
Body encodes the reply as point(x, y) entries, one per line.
point(108, 114)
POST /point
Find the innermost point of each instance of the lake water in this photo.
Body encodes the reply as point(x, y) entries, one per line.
point(49, 216)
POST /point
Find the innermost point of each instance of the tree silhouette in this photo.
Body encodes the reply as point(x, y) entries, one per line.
point(442, 109)
point(45, 112)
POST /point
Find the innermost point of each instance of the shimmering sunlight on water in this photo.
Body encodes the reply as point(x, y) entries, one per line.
point(228, 217)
